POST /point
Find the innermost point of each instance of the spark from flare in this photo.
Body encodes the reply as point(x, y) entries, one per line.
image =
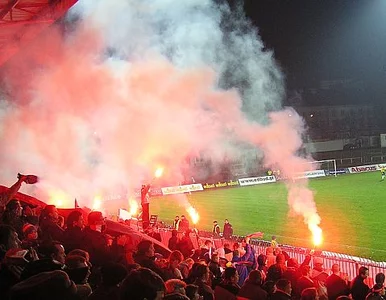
point(317, 234)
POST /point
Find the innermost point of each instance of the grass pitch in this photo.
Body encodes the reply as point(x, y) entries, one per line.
point(352, 208)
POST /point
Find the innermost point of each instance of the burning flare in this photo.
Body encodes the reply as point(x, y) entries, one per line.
point(317, 234)
point(193, 214)
point(133, 207)
point(58, 198)
point(97, 203)
point(158, 173)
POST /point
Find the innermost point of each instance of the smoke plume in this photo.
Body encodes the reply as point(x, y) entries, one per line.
point(136, 84)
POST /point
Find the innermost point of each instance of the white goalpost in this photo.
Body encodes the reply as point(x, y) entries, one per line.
point(328, 166)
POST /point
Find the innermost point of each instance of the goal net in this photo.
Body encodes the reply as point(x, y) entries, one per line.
point(328, 166)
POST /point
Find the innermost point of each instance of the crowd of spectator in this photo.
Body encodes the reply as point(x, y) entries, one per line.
point(46, 256)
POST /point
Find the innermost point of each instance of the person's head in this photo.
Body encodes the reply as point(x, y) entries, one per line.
point(142, 284)
point(53, 250)
point(96, 221)
point(284, 285)
point(201, 272)
point(182, 217)
point(175, 259)
point(51, 212)
point(215, 222)
point(231, 275)
point(146, 248)
point(226, 246)
point(236, 246)
point(273, 237)
point(255, 277)
point(8, 238)
point(305, 270)
point(309, 294)
point(75, 219)
point(113, 274)
point(82, 253)
point(77, 269)
point(380, 278)
point(174, 232)
point(191, 291)
point(189, 262)
point(14, 207)
point(292, 263)
point(30, 232)
point(215, 257)
point(262, 260)
point(175, 286)
point(280, 259)
point(335, 269)
point(363, 272)
point(208, 244)
point(226, 221)
point(318, 263)
point(177, 218)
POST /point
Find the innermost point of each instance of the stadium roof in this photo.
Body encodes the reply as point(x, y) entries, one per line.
point(23, 20)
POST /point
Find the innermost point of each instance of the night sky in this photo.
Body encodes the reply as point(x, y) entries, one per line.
point(315, 40)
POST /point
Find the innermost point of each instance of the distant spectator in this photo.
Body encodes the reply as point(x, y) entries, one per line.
point(191, 291)
point(52, 258)
point(79, 271)
point(173, 241)
point(228, 230)
point(175, 286)
point(359, 289)
point(45, 286)
point(274, 243)
point(380, 279)
point(185, 267)
point(292, 273)
point(216, 229)
point(228, 252)
point(185, 245)
point(176, 223)
point(309, 294)
point(12, 216)
point(142, 284)
point(336, 286)
point(145, 256)
point(184, 224)
point(262, 265)
point(376, 293)
point(49, 219)
point(283, 290)
point(276, 271)
point(252, 288)
point(304, 280)
point(228, 288)
point(8, 240)
point(201, 275)
point(112, 275)
point(30, 234)
point(172, 271)
point(73, 236)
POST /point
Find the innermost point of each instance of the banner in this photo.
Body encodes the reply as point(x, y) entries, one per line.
point(224, 184)
point(313, 174)
point(362, 169)
point(338, 171)
point(256, 180)
point(182, 189)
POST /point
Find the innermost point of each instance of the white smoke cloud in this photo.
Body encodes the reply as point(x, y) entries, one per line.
point(143, 83)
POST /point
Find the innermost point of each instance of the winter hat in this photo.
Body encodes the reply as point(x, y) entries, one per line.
point(28, 228)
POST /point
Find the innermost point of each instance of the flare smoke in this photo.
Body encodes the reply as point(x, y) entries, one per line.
point(138, 83)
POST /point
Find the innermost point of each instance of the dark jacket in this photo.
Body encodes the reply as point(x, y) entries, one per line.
point(279, 295)
point(148, 262)
point(336, 287)
point(73, 238)
point(204, 290)
point(252, 291)
point(226, 292)
point(95, 243)
point(51, 231)
point(173, 243)
point(359, 289)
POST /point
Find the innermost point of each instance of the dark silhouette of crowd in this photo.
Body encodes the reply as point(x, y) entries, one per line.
point(46, 256)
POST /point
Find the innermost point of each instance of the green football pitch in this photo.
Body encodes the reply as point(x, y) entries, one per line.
point(352, 208)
